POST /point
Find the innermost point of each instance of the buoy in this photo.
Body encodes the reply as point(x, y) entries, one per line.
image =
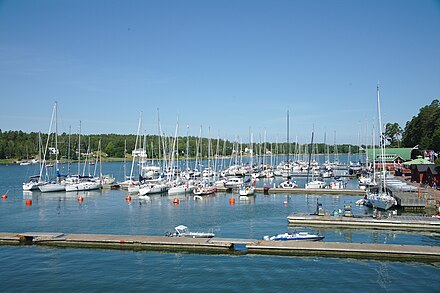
point(4, 196)
point(232, 200)
point(285, 202)
point(80, 199)
point(176, 200)
point(28, 202)
point(128, 198)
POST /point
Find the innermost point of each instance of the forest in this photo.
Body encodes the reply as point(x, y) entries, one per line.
point(19, 145)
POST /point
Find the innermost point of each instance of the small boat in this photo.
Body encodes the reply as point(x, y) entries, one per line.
point(204, 190)
point(316, 184)
point(299, 236)
point(233, 182)
point(247, 190)
point(288, 184)
point(182, 231)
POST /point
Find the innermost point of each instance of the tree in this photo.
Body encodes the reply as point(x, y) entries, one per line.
point(424, 129)
point(393, 131)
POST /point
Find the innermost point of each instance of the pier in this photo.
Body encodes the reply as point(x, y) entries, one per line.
point(418, 223)
point(225, 246)
point(273, 190)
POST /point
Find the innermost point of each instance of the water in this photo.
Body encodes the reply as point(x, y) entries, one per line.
point(26, 268)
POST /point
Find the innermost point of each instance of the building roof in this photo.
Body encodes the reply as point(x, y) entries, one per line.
point(418, 161)
point(391, 154)
point(422, 167)
point(435, 169)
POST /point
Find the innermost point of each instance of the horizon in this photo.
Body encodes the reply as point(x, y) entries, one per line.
point(233, 67)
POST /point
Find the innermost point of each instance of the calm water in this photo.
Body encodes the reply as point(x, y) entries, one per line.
point(86, 270)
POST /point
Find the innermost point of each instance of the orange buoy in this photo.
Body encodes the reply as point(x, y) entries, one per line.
point(28, 202)
point(4, 196)
point(232, 200)
point(128, 198)
point(176, 200)
point(80, 199)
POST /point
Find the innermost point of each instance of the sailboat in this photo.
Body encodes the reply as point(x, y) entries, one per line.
point(57, 184)
point(315, 183)
point(35, 180)
point(82, 183)
point(381, 197)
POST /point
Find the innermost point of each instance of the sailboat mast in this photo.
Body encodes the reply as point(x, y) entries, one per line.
point(288, 142)
point(381, 137)
point(310, 156)
point(56, 140)
point(79, 148)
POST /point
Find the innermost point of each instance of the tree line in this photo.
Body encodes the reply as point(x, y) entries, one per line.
point(19, 145)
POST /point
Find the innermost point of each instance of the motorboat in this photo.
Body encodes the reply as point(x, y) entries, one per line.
point(315, 184)
point(246, 190)
point(204, 190)
point(288, 184)
point(181, 189)
point(234, 182)
point(299, 236)
point(182, 231)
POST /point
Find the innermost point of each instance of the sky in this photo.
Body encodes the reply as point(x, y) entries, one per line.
point(230, 68)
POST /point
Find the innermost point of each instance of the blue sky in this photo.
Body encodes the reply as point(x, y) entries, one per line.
point(232, 66)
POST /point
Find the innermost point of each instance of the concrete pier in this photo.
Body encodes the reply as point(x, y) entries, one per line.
point(273, 190)
point(352, 250)
point(418, 223)
point(225, 245)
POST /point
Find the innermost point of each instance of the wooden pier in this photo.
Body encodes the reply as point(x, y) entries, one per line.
point(418, 223)
point(225, 246)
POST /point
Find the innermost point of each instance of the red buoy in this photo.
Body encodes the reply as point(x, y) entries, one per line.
point(232, 200)
point(4, 196)
point(176, 200)
point(80, 199)
point(128, 198)
point(28, 202)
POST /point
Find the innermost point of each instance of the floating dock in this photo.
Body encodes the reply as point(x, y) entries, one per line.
point(418, 223)
point(352, 250)
point(225, 246)
point(273, 190)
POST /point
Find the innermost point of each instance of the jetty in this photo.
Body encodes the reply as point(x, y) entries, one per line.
point(274, 190)
point(225, 246)
point(419, 223)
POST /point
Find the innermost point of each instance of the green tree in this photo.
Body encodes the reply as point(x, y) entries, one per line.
point(393, 131)
point(424, 129)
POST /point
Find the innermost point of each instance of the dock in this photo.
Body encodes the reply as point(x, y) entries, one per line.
point(400, 223)
point(276, 190)
point(342, 249)
point(225, 246)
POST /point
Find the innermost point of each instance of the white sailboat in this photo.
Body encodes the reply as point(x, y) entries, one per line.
point(381, 197)
point(57, 184)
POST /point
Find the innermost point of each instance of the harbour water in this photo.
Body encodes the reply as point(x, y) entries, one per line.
point(26, 268)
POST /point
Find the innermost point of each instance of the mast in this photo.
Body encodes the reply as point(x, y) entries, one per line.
point(381, 139)
point(310, 155)
point(288, 142)
point(79, 148)
point(56, 142)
